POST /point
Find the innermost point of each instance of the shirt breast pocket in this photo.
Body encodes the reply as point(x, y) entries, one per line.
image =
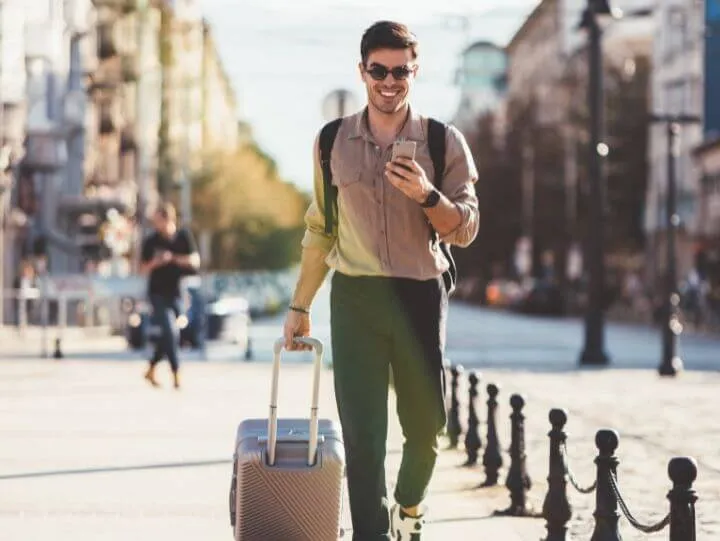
point(355, 194)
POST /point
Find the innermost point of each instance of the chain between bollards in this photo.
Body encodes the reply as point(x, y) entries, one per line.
point(629, 516)
point(571, 476)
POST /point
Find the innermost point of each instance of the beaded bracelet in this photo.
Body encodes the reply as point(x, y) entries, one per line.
point(298, 309)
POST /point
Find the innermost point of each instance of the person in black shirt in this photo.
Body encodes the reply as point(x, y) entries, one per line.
point(168, 254)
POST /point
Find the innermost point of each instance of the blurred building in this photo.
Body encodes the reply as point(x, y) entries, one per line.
point(13, 110)
point(545, 117)
point(707, 157)
point(677, 88)
point(122, 122)
point(706, 249)
point(201, 108)
point(220, 108)
point(482, 78)
point(42, 91)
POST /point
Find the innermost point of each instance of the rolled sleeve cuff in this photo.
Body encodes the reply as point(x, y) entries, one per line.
point(322, 242)
point(467, 230)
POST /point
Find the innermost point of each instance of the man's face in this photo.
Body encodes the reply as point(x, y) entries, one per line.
point(388, 94)
point(160, 222)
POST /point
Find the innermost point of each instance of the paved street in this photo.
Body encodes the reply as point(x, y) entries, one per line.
point(91, 453)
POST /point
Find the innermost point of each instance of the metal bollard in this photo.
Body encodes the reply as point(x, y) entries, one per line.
point(453, 424)
point(22, 311)
point(518, 481)
point(44, 317)
point(472, 437)
point(682, 472)
point(61, 325)
point(606, 506)
point(58, 354)
point(492, 458)
point(556, 507)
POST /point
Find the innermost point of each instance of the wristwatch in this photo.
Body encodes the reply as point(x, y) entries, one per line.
point(432, 199)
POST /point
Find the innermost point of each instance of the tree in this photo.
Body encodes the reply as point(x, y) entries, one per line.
point(254, 217)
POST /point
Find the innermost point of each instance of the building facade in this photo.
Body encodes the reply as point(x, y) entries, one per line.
point(677, 88)
point(546, 112)
point(220, 107)
point(482, 78)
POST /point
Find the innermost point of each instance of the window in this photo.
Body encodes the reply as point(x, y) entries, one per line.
point(675, 31)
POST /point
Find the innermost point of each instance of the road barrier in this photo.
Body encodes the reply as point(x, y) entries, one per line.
point(610, 505)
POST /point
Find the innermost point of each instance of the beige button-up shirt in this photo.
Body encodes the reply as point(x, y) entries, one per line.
point(380, 231)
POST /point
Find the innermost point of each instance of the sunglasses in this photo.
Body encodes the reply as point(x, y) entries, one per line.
point(379, 72)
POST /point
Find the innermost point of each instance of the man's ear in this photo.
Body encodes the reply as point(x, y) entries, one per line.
point(361, 69)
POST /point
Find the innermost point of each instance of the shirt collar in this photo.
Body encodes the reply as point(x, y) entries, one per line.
point(412, 130)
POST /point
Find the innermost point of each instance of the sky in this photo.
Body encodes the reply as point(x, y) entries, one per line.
point(283, 57)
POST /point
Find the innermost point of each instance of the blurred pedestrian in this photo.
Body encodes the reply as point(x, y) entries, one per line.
point(168, 254)
point(389, 298)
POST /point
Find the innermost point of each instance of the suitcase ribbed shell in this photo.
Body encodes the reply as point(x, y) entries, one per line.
point(289, 501)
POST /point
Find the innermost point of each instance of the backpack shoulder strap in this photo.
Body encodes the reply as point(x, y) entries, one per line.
point(327, 139)
point(436, 147)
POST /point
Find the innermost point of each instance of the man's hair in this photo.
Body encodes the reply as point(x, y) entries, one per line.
point(167, 211)
point(387, 35)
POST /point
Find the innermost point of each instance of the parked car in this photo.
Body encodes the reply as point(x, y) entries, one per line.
point(223, 319)
point(228, 319)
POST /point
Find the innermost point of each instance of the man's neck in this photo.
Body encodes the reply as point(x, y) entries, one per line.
point(384, 127)
point(169, 231)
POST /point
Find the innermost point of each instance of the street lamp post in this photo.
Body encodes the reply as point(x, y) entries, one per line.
point(671, 363)
point(594, 350)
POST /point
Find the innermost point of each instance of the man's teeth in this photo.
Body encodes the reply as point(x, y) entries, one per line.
point(388, 94)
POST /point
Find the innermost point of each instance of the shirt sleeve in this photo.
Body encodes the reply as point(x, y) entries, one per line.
point(459, 187)
point(147, 250)
point(190, 242)
point(315, 235)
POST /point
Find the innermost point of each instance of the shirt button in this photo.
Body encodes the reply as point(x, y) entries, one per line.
point(377, 147)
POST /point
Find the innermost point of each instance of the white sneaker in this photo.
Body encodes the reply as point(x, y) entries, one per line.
point(404, 527)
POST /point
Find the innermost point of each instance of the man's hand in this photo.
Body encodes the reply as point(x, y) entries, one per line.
point(296, 324)
point(160, 259)
point(408, 177)
point(164, 257)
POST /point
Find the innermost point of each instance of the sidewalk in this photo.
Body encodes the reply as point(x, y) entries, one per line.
point(28, 342)
point(90, 452)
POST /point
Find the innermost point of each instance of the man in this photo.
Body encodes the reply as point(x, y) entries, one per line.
point(388, 299)
point(168, 254)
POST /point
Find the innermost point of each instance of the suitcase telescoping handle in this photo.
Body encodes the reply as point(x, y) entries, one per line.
point(272, 419)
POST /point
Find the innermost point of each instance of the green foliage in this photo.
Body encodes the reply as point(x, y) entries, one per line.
point(255, 218)
point(166, 167)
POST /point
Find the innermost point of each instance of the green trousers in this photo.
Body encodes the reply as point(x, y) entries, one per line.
point(380, 325)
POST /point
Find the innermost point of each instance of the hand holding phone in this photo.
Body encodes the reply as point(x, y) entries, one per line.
point(406, 149)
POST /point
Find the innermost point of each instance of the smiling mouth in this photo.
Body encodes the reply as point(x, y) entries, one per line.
point(389, 93)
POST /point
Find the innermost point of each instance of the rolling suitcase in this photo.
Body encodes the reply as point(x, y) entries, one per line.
point(287, 473)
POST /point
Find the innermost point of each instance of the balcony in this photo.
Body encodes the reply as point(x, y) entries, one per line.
point(108, 121)
point(130, 70)
point(106, 42)
point(128, 143)
point(128, 6)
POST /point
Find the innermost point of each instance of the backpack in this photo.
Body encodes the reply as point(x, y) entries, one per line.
point(436, 146)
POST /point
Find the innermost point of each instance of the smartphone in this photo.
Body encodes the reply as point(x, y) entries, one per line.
point(405, 149)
